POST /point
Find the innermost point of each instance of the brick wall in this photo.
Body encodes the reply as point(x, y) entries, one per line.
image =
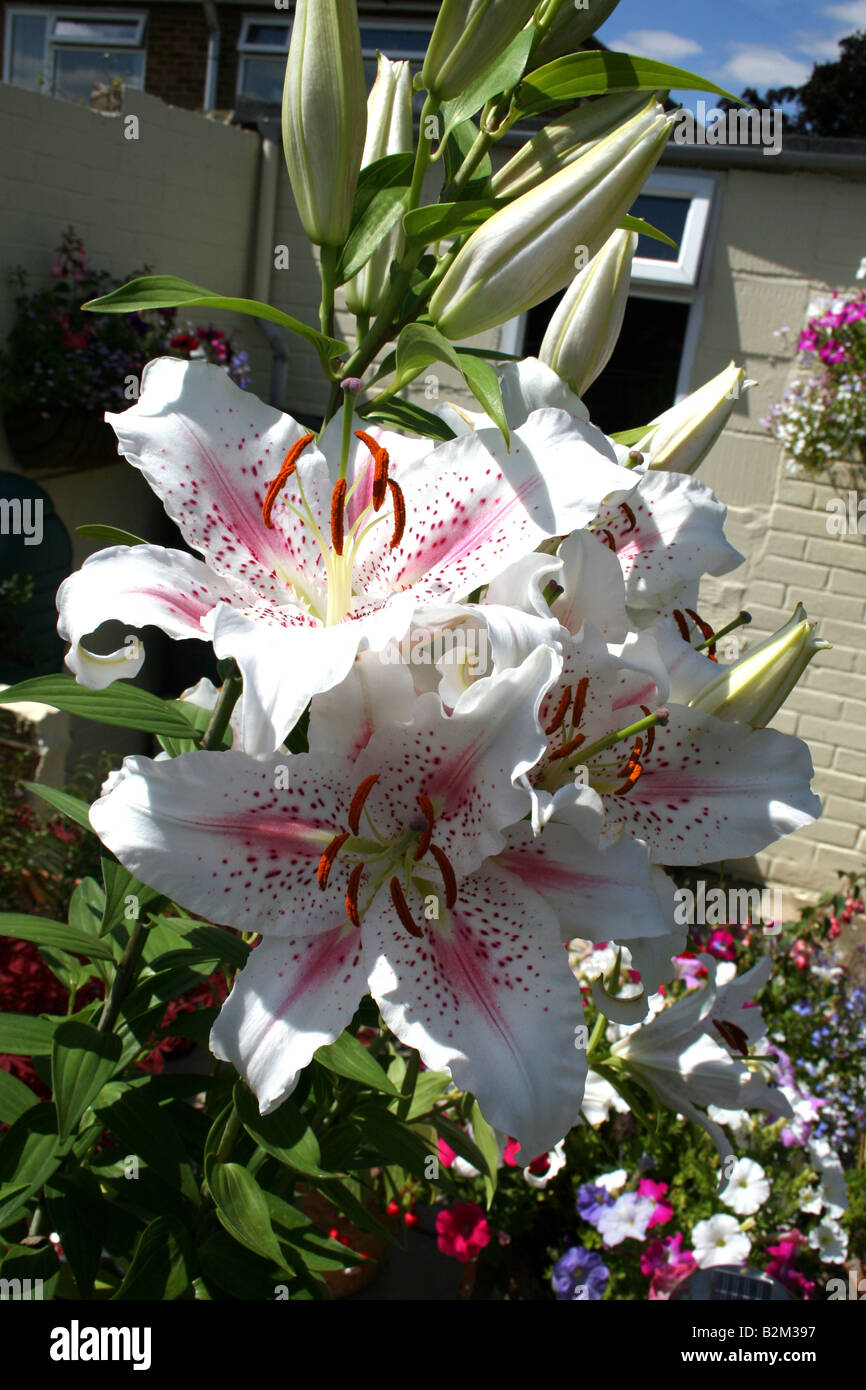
point(177, 54)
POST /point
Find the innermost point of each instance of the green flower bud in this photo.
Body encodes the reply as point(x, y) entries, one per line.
point(583, 332)
point(389, 131)
point(679, 439)
point(754, 688)
point(569, 27)
point(560, 143)
point(324, 116)
point(527, 251)
point(467, 37)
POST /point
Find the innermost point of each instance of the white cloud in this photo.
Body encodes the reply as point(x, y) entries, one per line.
point(817, 47)
point(656, 43)
point(757, 65)
point(853, 12)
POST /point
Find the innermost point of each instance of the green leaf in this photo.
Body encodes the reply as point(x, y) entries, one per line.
point(500, 77)
point(296, 1230)
point(22, 1035)
point(631, 436)
point(162, 1263)
point(211, 943)
point(170, 292)
point(47, 933)
point(393, 1139)
point(120, 884)
point(243, 1210)
point(348, 1205)
point(29, 1263)
point(379, 199)
point(405, 415)
point(77, 1210)
point(71, 806)
point(112, 535)
point(82, 1060)
point(593, 72)
point(120, 703)
point(644, 228)
point(428, 1088)
point(15, 1098)
point(483, 382)
point(235, 1270)
point(432, 223)
point(486, 1141)
point(347, 1057)
point(146, 1132)
point(285, 1134)
point(29, 1153)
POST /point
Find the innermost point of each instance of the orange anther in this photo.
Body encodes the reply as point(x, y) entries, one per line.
point(399, 503)
point(328, 856)
point(559, 713)
point(352, 895)
point(402, 907)
point(289, 464)
point(338, 503)
point(358, 800)
point(449, 877)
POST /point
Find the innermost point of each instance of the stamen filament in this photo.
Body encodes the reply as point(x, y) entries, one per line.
point(661, 716)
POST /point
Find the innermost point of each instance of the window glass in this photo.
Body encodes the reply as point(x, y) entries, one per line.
point(77, 70)
point(27, 50)
point(269, 35)
point(396, 43)
point(262, 78)
point(95, 30)
point(669, 216)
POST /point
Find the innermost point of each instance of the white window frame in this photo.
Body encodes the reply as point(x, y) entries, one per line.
point(268, 50)
point(684, 272)
point(51, 44)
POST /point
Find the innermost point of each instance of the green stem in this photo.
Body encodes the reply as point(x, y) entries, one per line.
point(409, 1085)
point(596, 1035)
point(222, 711)
point(328, 271)
point(346, 440)
point(126, 972)
point(477, 150)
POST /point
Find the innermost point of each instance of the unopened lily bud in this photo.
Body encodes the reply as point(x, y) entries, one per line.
point(530, 249)
point(560, 143)
point(679, 439)
point(583, 332)
point(569, 27)
point(467, 37)
point(754, 688)
point(389, 131)
point(324, 116)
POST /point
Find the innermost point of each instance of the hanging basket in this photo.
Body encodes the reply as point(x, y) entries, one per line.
point(64, 441)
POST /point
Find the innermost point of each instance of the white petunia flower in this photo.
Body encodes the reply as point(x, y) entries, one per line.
point(719, 1241)
point(629, 1216)
point(747, 1189)
point(613, 1181)
point(831, 1242)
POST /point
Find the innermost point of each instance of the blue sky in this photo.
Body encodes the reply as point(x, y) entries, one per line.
point(739, 43)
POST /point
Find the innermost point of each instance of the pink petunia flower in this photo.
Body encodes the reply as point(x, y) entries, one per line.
point(462, 1231)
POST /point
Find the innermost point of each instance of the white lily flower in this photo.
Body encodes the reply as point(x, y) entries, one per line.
point(374, 875)
point(302, 568)
point(747, 1189)
point(688, 1070)
point(599, 1098)
point(719, 1241)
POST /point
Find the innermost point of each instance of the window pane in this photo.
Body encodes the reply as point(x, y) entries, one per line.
point(76, 71)
point(397, 43)
point(669, 216)
point(95, 30)
point(640, 380)
point(273, 35)
point(262, 78)
point(28, 50)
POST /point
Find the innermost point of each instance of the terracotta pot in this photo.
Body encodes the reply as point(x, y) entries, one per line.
point(66, 440)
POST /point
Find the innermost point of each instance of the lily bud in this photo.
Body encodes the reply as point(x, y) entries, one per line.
point(389, 131)
point(560, 143)
point(754, 688)
point(680, 438)
point(467, 37)
point(324, 116)
point(583, 332)
point(569, 27)
point(527, 251)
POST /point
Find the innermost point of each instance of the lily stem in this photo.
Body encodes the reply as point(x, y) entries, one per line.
point(222, 711)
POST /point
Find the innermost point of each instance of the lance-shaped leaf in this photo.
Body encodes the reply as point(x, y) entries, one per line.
point(24, 1036)
point(591, 73)
point(644, 228)
point(419, 345)
point(15, 1098)
point(47, 933)
point(82, 1060)
point(429, 224)
point(379, 201)
point(170, 292)
point(349, 1058)
point(68, 805)
point(162, 1263)
point(285, 1133)
point(499, 77)
point(120, 704)
point(112, 535)
point(407, 416)
point(243, 1210)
